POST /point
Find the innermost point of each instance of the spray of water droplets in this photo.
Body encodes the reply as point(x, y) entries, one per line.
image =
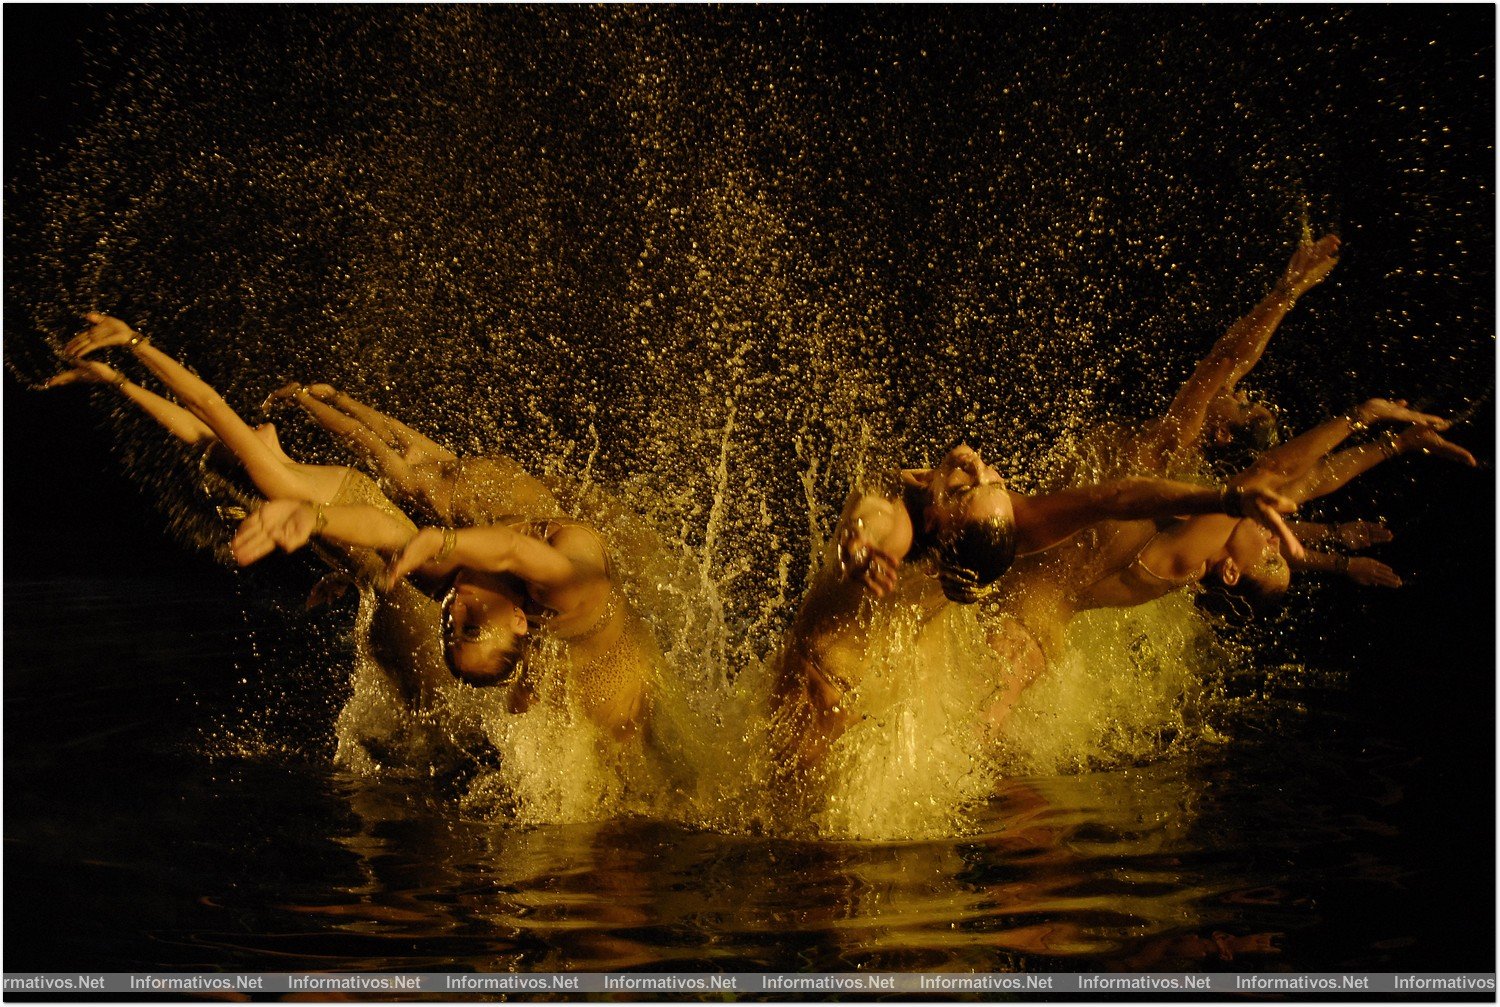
point(726, 262)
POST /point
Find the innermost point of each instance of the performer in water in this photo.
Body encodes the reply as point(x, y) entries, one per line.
point(419, 472)
point(500, 585)
point(1210, 407)
point(965, 527)
point(1126, 563)
point(500, 582)
point(565, 581)
point(404, 697)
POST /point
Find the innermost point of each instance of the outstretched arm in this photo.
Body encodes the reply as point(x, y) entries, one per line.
point(289, 524)
point(271, 474)
point(1044, 521)
point(364, 428)
point(1359, 569)
point(471, 490)
point(389, 459)
point(1286, 463)
point(1338, 470)
point(176, 420)
point(1240, 348)
point(1352, 535)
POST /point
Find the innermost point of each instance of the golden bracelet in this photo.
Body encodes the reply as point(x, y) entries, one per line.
point(320, 519)
point(450, 542)
point(1232, 500)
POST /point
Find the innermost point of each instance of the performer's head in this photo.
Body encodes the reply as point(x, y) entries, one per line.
point(966, 522)
point(485, 630)
point(1250, 578)
point(1235, 419)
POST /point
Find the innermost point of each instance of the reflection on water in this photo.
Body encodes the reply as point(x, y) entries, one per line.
point(131, 848)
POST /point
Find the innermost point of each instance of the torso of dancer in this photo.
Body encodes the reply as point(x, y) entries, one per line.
point(966, 527)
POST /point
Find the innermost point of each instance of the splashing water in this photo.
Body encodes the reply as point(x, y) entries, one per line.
point(706, 270)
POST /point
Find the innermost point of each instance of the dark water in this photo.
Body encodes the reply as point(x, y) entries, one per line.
point(1311, 841)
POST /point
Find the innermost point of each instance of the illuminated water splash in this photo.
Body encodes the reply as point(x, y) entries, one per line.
point(721, 264)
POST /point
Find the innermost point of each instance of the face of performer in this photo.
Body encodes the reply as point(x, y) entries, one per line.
point(964, 489)
point(484, 630)
point(1253, 560)
point(1235, 416)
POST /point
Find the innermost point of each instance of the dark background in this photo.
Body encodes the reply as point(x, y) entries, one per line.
point(59, 60)
point(1421, 660)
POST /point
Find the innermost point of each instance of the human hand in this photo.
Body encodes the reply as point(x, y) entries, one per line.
point(1255, 499)
point(89, 372)
point(1357, 535)
point(861, 560)
point(418, 551)
point(1429, 442)
point(1310, 265)
point(103, 331)
point(284, 524)
point(1388, 410)
point(1371, 573)
point(286, 393)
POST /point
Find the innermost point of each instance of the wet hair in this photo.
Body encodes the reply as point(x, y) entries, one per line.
point(1247, 441)
point(973, 556)
point(225, 482)
point(510, 652)
point(1244, 601)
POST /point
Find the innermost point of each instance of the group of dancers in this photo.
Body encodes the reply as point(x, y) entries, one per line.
point(468, 562)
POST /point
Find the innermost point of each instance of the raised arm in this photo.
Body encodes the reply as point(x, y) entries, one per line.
point(462, 491)
point(176, 420)
point(1352, 535)
point(1240, 348)
point(1044, 521)
point(270, 473)
point(1335, 472)
point(388, 458)
point(1286, 463)
point(363, 427)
